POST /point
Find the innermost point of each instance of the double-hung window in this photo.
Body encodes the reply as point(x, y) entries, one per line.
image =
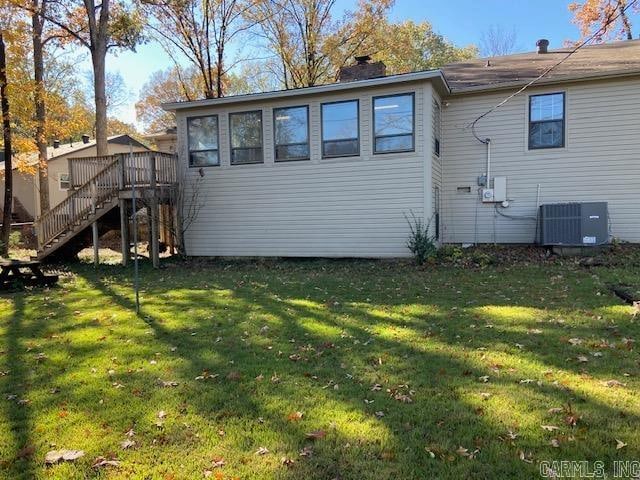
point(63, 180)
point(393, 123)
point(246, 137)
point(202, 133)
point(546, 121)
point(340, 129)
point(291, 133)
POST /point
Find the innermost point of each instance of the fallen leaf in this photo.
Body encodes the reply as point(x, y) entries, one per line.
point(484, 378)
point(554, 443)
point(295, 416)
point(620, 444)
point(550, 428)
point(162, 414)
point(316, 435)
point(125, 444)
point(103, 462)
point(218, 462)
point(287, 462)
point(555, 410)
point(582, 358)
point(262, 451)
point(306, 452)
point(55, 456)
point(613, 383)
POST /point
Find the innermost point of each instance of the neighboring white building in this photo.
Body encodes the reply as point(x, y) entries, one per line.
point(333, 170)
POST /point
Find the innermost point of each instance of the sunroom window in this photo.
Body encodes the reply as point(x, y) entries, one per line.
point(246, 137)
point(340, 129)
point(202, 133)
point(546, 121)
point(393, 119)
point(291, 133)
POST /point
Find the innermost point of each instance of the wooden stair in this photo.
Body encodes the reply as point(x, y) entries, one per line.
point(106, 182)
point(80, 209)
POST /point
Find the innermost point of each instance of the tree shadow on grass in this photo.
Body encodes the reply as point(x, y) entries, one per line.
point(417, 423)
point(18, 454)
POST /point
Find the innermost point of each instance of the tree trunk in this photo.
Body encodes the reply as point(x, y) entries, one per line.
point(6, 133)
point(37, 21)
point(98, 59)
point(99, 35)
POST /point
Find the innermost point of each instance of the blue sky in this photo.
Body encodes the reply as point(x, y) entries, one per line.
point(461, 21)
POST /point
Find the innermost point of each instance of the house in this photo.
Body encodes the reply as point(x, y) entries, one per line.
point(24, 194)
point(334, 170)
point(164, 140)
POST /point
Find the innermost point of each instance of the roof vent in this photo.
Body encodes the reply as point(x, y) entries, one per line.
point(85, 138)
point(543, 45)
point(56, 144)
point(362, 70)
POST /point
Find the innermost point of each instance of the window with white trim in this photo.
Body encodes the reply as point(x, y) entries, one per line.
point(546, 121)
point(63, 181)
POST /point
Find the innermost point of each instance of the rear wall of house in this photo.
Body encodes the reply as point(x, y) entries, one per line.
point(342, 207)
point(600, 161)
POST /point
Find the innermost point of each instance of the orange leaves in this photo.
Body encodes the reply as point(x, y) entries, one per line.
point(316, 435)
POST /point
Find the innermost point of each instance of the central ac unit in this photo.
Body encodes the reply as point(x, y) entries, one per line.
point(574, 224)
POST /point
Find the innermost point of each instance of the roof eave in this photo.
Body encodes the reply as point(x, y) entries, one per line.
point(332, 87)
point(554, 81)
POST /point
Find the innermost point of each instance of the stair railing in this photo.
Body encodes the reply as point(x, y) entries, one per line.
point(78, 205)
point(118, 172)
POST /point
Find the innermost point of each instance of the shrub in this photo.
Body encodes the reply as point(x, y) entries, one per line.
point(421, 243)
point(15, 239)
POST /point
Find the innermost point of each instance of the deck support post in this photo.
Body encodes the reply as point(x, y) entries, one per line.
point(94, 225)
point(153, 206)
point(124, 232)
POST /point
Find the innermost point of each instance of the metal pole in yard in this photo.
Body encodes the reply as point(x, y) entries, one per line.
point(136, 281)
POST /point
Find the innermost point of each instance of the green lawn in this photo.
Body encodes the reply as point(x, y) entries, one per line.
point(399, 372)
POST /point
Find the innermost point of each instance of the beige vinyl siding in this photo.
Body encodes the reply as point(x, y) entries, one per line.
point(341, 207)
point(436, 161)
point(23, 190)
point(598, 163)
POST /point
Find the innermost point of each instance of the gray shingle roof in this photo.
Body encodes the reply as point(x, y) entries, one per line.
point(590, 61)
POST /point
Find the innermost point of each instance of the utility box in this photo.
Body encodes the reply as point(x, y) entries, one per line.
point(574, 224)
point(496, 194)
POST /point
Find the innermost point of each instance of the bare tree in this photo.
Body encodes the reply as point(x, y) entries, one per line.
point(309, 43)
point(496, 41)
point(200, 31)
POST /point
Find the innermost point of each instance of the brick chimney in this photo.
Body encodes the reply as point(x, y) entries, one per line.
point(362, 70)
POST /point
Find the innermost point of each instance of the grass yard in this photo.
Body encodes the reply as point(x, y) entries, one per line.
point(304, 370)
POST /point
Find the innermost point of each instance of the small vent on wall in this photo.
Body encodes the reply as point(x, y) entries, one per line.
point(466, 189)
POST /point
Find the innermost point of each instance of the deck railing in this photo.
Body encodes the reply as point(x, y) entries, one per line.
point(111, 174)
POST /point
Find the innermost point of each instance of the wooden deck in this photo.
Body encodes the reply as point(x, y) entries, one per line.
point(100, 184)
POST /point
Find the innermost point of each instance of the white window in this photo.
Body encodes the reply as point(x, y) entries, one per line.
point(546, 121)
point(63, 180)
